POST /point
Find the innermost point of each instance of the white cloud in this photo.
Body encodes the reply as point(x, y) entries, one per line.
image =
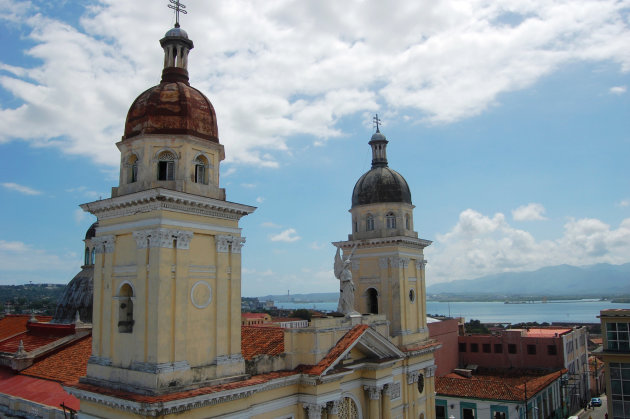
point(21, 262)
point(79, 215)
point(317, 246)
point(529, 212)
point(288, 235)
point(618, 90)
point(624, 203)
point(280, 70)
point(480, 245)
point(269, 224)
point(260, 200)
point(20, 188)
point(248, 185)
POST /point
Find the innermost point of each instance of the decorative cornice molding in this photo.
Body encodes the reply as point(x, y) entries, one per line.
point(374, 392)
point(384, 241)
point(163, 237)
point(420, 264)
point(160, 198)
point(103, 244)
point(225, 242)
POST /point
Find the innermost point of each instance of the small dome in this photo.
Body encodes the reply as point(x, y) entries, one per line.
point(172, 107)
point(381, 184)
point(377, 136)
point(176, 32)
point(91, 232)
point(77, 296)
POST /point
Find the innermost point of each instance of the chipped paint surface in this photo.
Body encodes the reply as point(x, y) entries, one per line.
point(172, 107)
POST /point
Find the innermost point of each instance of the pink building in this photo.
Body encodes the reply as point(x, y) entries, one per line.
point(446, 332)
point(514, 348)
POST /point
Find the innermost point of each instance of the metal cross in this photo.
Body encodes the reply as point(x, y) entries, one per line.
point(376, 121)
point(179, 8)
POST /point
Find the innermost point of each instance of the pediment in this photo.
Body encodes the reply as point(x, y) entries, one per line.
point(367, 346)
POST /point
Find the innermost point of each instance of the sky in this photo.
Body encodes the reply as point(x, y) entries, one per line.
point(509, 119)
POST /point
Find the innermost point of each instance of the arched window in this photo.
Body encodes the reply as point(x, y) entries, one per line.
point(166, 166)
point(390, 220)
point(412, 295)
point(125, 309)
point(356, 227)
point(93, 255)
point(407, 222)
point(372, 301)
point(86, 258)
point(133, 169)
point(369, 223)
point(201, 164)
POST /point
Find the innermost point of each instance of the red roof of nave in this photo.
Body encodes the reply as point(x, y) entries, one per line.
point(261, 340)
point(37, 390)
point(65, 365)
point(12, 324)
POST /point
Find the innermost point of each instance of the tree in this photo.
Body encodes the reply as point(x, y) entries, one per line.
point(302, 313)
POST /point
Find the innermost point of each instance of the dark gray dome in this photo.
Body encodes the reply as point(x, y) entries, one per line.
point(176, 32)
point(91, 232)
point(381, 184)
point(77, 296)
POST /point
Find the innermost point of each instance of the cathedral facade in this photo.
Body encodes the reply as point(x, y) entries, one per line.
point(167, 338)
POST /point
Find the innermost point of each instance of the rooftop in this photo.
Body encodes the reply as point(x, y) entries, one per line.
point(508, 386)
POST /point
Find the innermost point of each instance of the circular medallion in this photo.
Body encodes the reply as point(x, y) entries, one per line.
point(201, 294)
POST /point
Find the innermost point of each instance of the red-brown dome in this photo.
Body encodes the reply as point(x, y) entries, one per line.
point(172, 107)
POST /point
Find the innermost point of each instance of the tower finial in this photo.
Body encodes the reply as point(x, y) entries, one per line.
point(377, 122)
point(179, 8)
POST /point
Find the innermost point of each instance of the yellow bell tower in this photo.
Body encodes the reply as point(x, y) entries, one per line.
point(388, 263)
point(167, 274)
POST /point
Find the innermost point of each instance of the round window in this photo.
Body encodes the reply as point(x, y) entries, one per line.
point(412, 295)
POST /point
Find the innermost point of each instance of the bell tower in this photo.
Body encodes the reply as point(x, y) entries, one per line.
point(388, 263)
point(167, 271)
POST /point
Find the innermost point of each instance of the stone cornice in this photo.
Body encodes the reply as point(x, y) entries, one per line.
point(181, 405)
point(160, 198)
point(384, 241)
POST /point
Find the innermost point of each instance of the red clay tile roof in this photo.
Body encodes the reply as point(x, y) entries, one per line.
point(257, 379)
point(36, 390)
point(30, 342)
point(12, 324)
point(253, 315)
point(342, 345)
point(494, 386)
point(65, 365)
point(261, 341)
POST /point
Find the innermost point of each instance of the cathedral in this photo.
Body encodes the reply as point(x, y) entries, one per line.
point(165, 257)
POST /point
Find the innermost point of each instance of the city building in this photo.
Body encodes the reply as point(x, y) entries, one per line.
point(534, 348)
point(163, 275)
point(500, 395)
point(615, 354)
point(446, 331)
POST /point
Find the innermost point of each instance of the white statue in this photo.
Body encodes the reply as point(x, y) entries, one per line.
point(343, 272)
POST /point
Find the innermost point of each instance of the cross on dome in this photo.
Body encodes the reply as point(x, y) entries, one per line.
point(377, 122)
point(179, 8)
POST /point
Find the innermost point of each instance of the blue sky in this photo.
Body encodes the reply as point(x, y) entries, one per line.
point(510, 121)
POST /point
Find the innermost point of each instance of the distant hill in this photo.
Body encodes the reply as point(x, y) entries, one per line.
point(318, 297)
point(602, 279)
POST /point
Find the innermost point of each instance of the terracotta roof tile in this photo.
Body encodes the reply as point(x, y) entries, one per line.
point(31, 342)
point(494, 386)
point(261, 341)
point(342, 345)
point(12, 324)
point(36, 390)
point(65, 365)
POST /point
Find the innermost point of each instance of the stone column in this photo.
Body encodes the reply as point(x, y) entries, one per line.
point(313, 410)
point(374, 408)
point(333, 409)
point(387, 401)
point(222, 304)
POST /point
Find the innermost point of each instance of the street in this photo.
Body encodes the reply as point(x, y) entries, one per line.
point(596, 413)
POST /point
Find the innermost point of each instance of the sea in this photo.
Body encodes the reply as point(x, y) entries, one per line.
point(568, 311)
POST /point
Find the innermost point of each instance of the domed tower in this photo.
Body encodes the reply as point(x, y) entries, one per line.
point(150, 158)
point(167, 266)
point(388, 263)
point(78, 294)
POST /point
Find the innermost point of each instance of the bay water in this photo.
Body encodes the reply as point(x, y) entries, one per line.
point(571, 311)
